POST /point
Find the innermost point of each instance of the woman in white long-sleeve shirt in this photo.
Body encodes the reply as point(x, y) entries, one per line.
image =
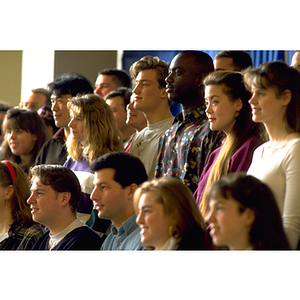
point(276, 103)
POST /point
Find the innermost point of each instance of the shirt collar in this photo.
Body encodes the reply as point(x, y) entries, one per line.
point(128, 226)
point(193, 115)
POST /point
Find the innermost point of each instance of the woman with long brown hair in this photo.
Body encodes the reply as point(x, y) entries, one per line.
point(227, 109)
point(17, 229)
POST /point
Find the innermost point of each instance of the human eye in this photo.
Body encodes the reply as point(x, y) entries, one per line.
point(178, 72)
point(104, 187)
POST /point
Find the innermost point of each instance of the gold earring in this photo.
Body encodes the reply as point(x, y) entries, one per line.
point(237, 113)
point(173, 232)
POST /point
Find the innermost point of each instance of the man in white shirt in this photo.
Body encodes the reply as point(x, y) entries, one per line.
point(150, 97)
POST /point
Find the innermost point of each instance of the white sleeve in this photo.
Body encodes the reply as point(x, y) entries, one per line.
point(291, 208)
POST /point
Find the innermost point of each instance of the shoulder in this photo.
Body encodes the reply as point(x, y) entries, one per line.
point(81, 238)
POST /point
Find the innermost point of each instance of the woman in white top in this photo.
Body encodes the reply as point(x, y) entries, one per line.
point(275, 102)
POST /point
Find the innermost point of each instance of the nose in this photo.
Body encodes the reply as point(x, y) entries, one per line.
point(169, 78)
point(207, 109)
point(98, 91)
point(30, 200)
point(54, 106)
point(71, 123)
point(252, 100)
point(130, 106)
point(139, 218)
point(136, 89)
point(94, 194)
point(210, 216)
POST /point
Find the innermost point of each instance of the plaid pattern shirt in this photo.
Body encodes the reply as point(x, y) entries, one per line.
point(21, 237)
point(184, 147)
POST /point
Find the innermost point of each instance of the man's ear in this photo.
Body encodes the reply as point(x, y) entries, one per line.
point(199, 79)
point(249, 216)
point(131, 190)
point(164, 94)
point(65, 198)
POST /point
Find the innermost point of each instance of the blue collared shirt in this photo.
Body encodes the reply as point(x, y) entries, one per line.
point(127, 237)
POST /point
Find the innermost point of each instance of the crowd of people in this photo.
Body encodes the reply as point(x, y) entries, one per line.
point(111, 167)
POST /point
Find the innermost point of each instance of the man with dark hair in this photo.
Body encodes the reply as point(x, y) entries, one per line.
point(183, 148)
point(39, 97)
point(62, 89)
point(118, 100)
point(232, 61)
point(109, 80)
point(54, 203)
point(117, 176)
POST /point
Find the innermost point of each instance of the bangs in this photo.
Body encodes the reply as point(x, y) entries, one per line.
point(15, 123)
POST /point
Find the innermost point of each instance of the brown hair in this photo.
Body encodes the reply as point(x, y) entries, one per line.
point(20, 210)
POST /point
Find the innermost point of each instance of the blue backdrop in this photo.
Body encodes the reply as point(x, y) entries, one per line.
point(258, 57)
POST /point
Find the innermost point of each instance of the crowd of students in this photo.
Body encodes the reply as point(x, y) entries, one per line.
point(118, 171)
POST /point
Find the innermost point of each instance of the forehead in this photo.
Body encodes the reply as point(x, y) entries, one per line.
point(149, 74)
point(184, 61)
point(214, 89)
point(149, 198)
point(58, 94)
point(37, 97)
point(106, 174)
point(104, 79)
point(115, 101)
point(224, 63)
point(37, 184)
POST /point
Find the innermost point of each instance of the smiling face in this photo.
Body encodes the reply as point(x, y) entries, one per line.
point(228, 225)
point(220, 110)
point(60, 110)
point(266, 106)
point(153, 221)
point(20, 141)
point(135, 118)
point(77, 126)
point(44, 203)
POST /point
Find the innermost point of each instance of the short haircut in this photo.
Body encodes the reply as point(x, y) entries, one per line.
point(123, 92)
point(120, 77)
point(241, 59)
point(203, 62)
point(70, 83)
point(44, 92)
point(60, 179)
point(128, 168)
point(148, 63)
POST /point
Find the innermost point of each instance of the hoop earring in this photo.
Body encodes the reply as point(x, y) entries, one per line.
point(174, 232)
